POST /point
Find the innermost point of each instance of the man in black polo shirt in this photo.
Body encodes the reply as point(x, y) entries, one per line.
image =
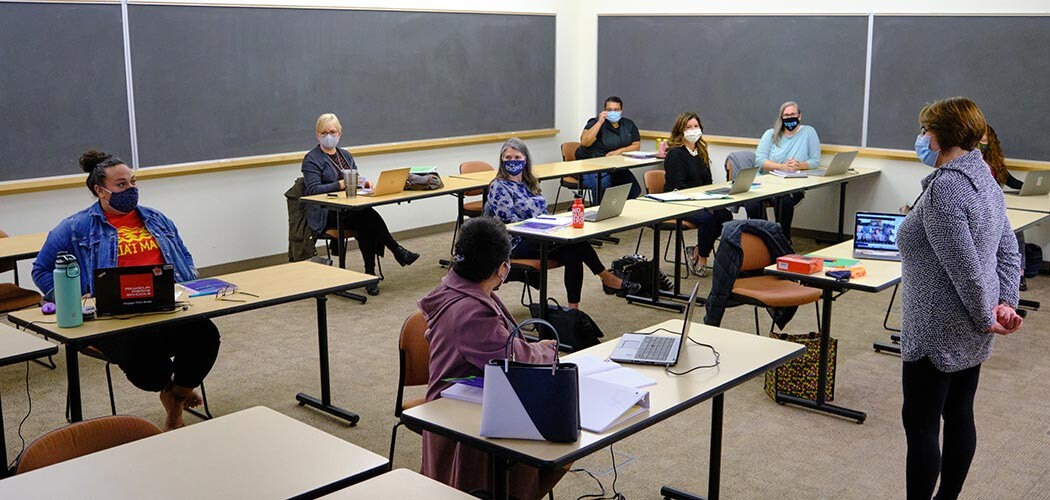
point(609, 134)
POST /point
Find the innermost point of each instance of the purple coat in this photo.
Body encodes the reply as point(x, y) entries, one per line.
point(466, 328)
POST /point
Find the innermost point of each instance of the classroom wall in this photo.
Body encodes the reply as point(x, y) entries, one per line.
point(231, 216)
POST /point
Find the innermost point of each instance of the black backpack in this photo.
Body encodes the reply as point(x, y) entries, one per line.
point(638, 268)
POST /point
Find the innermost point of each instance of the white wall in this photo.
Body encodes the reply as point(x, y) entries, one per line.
point(231, 216)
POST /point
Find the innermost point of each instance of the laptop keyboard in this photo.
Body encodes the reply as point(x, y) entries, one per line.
point(655, 348)
point(718, 191)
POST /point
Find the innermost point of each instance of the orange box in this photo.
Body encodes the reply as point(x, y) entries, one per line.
point(795, 263)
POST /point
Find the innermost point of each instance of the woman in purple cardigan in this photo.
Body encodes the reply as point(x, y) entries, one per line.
point(467, 325)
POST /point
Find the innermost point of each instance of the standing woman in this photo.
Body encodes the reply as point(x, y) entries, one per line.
point(323, 173)
point(688, 165)
point(993, 156)
point(959, 276)
point(514, 195)
point(789, 146)
point(117, 232)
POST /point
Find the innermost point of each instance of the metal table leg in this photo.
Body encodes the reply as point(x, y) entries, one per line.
point(714, 471)
point(76, 410)
point(325, 403)
point(544, 267)
point(654, 300)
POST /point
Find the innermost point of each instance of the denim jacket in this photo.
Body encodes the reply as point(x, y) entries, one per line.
point(93, 241)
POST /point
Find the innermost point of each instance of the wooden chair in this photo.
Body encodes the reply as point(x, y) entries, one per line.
point(654, 184)
point(12, 296)
point(82, 438)
point(572, 183)
point(472, 208)
point(767, 291)
point(413, 369)
point(527, 271)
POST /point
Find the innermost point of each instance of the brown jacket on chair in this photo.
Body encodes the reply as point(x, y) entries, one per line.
point(302, 243)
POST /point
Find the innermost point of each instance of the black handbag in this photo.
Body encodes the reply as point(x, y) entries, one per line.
point(575, 329)
point(531, 401)
point(638, 269)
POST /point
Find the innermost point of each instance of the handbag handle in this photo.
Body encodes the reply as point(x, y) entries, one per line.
point(517, 330)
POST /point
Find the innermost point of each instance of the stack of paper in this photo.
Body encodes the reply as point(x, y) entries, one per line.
point(610, 394)
point(785, 173)
point(640, 154)
point(464, 392)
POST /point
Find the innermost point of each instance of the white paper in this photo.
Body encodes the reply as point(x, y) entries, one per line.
point(560, 220)
point(463, 392)
point(706, 196)
point(624, 376)
point(640, 154)
point(784, 173)
point(588, 364)
point(671, 196)
point(603, 404)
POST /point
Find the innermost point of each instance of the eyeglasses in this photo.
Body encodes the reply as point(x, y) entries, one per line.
point(922, 129)
point(225, 292)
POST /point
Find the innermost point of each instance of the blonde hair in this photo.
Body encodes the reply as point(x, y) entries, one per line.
point(778, 126)
point(327, 119)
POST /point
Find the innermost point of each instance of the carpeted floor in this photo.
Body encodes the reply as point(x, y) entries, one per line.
point(770, 451)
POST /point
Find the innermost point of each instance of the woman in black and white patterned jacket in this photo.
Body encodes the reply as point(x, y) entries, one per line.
point(960, 272)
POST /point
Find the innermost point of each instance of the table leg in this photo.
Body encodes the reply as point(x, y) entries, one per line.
point(4, 472)
point(654, 300)
point(76, 411)
point(339, 239)
point(822, 372)
point(714, 470)
point(544, 265)
point(500, 489)
point(325, 403)
point(677, 293)
point(842, 209)
point(459, 223)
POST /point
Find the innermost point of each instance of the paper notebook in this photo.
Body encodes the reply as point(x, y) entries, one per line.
point(206, 286)
point(605, 404)
point(464, 392)
point(789, 175)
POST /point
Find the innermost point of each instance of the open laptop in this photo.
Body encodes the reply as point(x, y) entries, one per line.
point(612, 204)
point(839, 165)
point(1036, 183)
point(134, 289)
point(649, 349)
point(390, 182)
point(875, 236)
point(742, 184)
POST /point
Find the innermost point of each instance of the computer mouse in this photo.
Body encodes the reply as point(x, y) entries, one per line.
point(48, 308)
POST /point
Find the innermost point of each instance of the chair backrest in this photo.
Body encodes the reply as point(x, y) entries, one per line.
point(82, 438)
point(756, 254)
point(739, 160)
point(654, 181)
point(414, 357)
point(6, 266)
point(568, 151)
point(469, 167)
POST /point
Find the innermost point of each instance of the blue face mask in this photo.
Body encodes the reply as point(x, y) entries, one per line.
point(514, 167)
point(614, 116)
point(791, 123)
point(922, 149)
point(329, 141)
point(124, 201)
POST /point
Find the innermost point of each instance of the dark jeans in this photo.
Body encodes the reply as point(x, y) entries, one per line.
point(609, 179)
point(783, 207)
point(709, 228)
point(372, 234)
point(182, 353)
point(572, 258)
point(929, 395)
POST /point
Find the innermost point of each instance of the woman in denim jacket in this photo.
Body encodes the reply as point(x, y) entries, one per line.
point(116, 232)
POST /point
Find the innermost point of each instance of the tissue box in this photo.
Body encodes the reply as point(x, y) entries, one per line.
point(795, 263)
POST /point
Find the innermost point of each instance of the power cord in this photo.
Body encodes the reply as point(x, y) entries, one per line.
point(601, 496)
point(29, 398)
point(668, 369)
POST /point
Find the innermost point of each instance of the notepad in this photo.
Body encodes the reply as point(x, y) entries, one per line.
point(789, 175)
point(421, 170)
point(605, 404)
point(464, 392)
point(610, 371)
point(206, 286)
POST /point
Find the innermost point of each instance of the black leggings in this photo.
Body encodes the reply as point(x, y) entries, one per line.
point(372, 235)
point(783, 207)
point(152, 360)
point(929, 395)
point(572, 257)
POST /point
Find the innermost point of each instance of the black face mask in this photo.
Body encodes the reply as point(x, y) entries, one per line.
point(791, 123)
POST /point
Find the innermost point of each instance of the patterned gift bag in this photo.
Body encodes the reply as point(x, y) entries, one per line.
point(799, 376)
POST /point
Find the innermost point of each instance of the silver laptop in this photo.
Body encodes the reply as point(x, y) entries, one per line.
point(742, 184)
point(1036, 183)
point(649, 349)
point(613, 201)
point(875, 236)
point(839, 165)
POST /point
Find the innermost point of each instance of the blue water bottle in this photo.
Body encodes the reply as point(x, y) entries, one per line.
point(68, 309)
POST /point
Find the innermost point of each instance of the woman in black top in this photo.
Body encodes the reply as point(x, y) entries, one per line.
point(609, 134)
point(323, 173)
point(688, 165)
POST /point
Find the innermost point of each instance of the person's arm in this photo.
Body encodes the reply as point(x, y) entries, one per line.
point(813, 148)
point(180, 247)
point(674, 170)
point(1008, 266)
point(1013, 182)
point(313, 180)
point(590, 131)
point(636, 140)
point(58, 240)
point(482, 336)
point(500, 203)
point(361, 180)
point(765, 144)
point(948, 231)
point(705, 173)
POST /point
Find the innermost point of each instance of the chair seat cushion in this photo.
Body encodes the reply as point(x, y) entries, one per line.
point(412, 403)
point(569, 182)
point(668, 225)
point(334, 234)
point(774, 292)
point(534, 263)
point(473, 207)
point(13, 297)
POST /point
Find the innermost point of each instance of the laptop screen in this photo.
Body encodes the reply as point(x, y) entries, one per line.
point(876, 232)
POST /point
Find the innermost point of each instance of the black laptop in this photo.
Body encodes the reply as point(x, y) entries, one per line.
point(134, 289)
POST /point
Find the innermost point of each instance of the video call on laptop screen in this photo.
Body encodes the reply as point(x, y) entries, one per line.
point(877, 231)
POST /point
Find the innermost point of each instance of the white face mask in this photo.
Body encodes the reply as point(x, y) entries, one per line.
point(329, 141)
point(692, 135)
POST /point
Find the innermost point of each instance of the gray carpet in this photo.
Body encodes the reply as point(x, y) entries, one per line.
point(770, 451)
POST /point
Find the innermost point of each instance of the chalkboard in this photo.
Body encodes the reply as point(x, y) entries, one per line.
point(1001, 62)
point(222, 82)
point(735, 71)
point(62, 87)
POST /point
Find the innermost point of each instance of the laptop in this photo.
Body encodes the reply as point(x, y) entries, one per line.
point(650, 349)
point(875, 236)
point(839, 165)
point(1036, 183)
point(742, 184)
point(134, 289)
point(612, 204)
point(390, 182)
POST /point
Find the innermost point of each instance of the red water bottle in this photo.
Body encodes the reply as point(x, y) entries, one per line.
point(577, 213)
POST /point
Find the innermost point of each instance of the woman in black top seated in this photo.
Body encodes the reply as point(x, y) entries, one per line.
point(688, 165)
point(609, 134)
point(323, 173)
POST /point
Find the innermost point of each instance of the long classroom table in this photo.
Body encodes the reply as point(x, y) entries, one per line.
point(23, 246)
point(1029, 203)
point(15, 347)
point(814, 182)
point(274, 285)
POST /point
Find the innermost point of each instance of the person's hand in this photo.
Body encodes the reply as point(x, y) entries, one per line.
point(550, 344)
point(367, 184)
point(1007, 320)
point(612, 153)
point(602, 115)
point(787, 167)
point(342, 184)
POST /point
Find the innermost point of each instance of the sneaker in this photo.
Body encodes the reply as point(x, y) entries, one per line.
point(372, 289)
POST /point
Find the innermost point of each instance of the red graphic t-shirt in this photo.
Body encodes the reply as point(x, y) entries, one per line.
point(135, 245)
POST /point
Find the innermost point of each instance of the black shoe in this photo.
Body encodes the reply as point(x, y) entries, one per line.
point(372, 289)
point(404, 257)
point(627, 287)
point(1024, 284)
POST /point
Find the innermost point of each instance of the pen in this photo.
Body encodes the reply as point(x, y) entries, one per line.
point(546, 217)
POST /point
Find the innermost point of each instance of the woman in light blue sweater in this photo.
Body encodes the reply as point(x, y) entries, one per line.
point(959, 274)
point(788, 146)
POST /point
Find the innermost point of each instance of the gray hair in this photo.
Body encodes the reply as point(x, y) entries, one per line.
point(778, 126)
point(527, 176)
